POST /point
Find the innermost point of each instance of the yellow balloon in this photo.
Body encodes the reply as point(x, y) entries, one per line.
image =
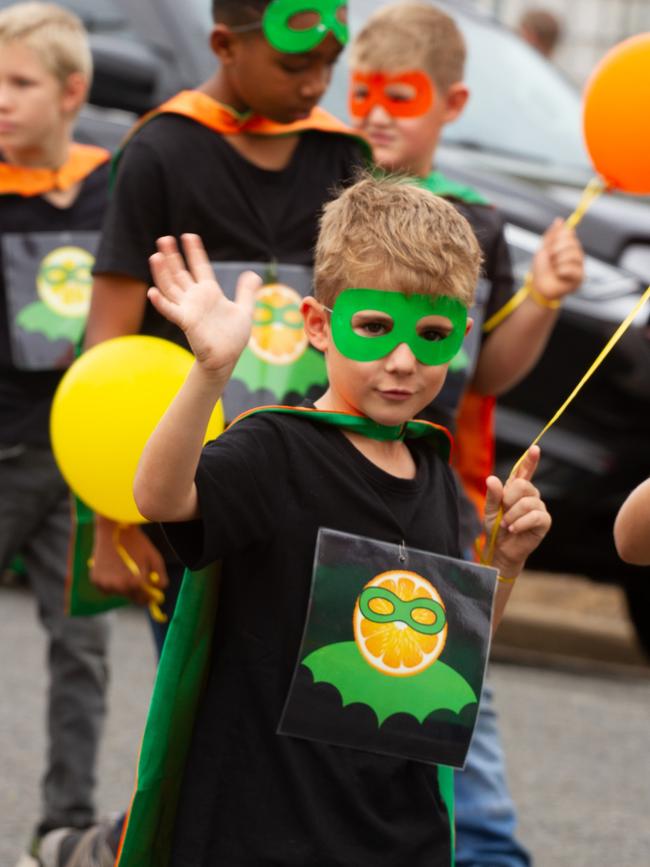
point(104, 411)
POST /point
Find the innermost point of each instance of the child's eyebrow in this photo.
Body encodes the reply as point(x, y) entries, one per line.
point(371, 312)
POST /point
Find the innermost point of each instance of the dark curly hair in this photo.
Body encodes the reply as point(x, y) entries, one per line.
point(236, 12)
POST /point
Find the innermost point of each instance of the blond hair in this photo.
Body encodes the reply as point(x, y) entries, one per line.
point(405, 36)
point(56, 35)
point(388, 233)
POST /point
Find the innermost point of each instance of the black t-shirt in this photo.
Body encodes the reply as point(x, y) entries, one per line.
point(176, 176)
point(488, 223)
point(250, 796)
point(29, 228)
point(496, 286)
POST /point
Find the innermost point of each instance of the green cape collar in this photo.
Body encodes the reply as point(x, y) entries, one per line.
point(439, 436)
point(439, 185)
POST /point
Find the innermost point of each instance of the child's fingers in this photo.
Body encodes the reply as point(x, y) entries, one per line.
point(553, 231)
point(527, 467)
point(163, 278)
point(521, 507)
point(165, 307)
point(566, 251)
point(538, 521)
point(174, 262)
point(493, 498)
point(248, 284)
point(197, 259)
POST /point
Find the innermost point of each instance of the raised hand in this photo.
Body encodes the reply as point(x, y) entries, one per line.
point(525, 520)
point(216, 328)
point(558, 266)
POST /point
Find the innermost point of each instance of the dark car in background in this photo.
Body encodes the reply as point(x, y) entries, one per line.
point(519, 142)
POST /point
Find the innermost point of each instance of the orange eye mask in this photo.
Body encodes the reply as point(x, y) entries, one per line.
point(407, 94)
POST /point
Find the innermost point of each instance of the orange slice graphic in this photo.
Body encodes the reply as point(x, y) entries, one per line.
point(278, 335)
point(395, 648)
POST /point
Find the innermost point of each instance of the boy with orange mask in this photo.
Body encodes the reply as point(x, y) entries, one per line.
point(406, 85)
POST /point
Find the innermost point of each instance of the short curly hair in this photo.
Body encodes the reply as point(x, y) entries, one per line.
point(388, 233)
point(235, 12)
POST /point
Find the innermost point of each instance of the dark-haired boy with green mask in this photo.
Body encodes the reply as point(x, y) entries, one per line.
point(246, 160)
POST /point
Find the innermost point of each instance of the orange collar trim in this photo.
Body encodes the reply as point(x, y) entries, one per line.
point(28, 181)
point(224, 120)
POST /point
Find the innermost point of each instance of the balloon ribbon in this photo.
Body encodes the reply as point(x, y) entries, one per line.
point(592, 191)
point(611, 343)
point(157, 596)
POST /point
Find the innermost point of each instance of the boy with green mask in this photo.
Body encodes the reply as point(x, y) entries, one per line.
point(406, 85)
point(354, 465)
point(247, 161)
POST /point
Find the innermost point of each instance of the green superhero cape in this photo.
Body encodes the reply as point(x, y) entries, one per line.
point(182, 673)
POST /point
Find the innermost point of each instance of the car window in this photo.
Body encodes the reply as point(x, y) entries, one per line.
point(519, 102)
point(203, 11)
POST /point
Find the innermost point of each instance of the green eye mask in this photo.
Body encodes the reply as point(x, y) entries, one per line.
point(289, 40)
point(405, 312)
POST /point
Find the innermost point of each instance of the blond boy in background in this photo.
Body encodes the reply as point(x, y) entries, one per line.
point(54, 193)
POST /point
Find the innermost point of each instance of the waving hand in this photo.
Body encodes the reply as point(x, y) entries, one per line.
point(216, 328)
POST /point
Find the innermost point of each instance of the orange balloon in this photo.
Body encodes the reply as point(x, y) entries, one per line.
point(616, 119)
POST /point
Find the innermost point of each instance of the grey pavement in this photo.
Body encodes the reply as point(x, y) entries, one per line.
point(577, 740)
point(22, 695)
point(566, 621)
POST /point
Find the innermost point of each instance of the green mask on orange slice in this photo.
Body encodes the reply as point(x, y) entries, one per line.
point(402, 317)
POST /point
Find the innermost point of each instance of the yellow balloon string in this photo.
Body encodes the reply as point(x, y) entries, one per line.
point(596, 187)
point(611, 343)
point(157, 596)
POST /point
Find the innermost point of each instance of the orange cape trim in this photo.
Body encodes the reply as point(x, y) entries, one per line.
point(474, 452)
point(27, 181)
point(222, 119)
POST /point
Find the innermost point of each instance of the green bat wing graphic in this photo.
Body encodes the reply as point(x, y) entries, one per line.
point(281, 379)
point(439, 687)
point(39, 318)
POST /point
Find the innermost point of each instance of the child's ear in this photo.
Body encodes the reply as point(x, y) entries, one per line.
point(74, 93)
point(469, 326)
point(223, 43)
point(316, 320)
point(455, 101)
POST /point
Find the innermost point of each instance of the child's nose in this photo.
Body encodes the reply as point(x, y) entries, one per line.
point(317, 82)
point(5, 96)
point(378, 115)
point(401, 359)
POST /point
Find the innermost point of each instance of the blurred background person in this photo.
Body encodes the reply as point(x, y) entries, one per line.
point(541, 29)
